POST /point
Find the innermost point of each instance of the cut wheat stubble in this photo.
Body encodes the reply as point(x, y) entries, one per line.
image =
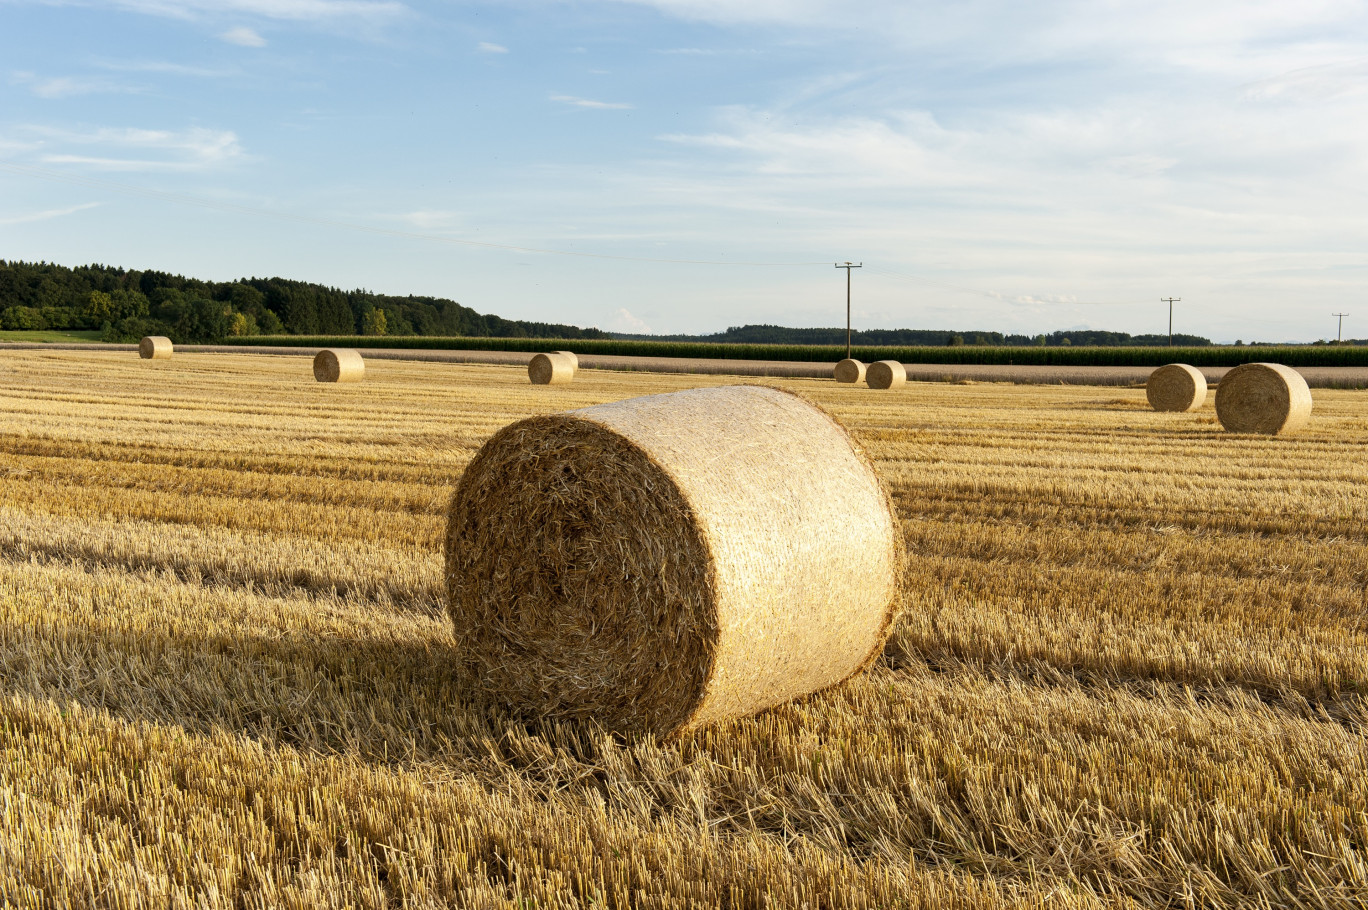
point(663, 563)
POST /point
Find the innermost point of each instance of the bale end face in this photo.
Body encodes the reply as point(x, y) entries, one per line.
point(1176, 387)
point(550, 369)
point(155, 347)
point(885, 374)
point(1264, 398)
point(338, 365)
point(572, 357)
point(849, 370)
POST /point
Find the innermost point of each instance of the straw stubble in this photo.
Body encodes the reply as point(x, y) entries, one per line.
point(668, 562)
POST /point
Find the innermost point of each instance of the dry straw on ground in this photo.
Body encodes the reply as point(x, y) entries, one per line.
point(1176, 387)
point(663, 563)
point(572, 357)
point(1263, 398)
point(885, 374)
point(551, 369)
point(849, 370)
point(338, 365)
point(155, 347)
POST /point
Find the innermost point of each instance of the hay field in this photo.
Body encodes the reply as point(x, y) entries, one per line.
point(1133, 669)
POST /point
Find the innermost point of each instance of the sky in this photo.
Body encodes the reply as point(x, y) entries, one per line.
point(681, 166)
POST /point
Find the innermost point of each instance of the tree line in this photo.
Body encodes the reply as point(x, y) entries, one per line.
point(778, 334)
point(125, 305)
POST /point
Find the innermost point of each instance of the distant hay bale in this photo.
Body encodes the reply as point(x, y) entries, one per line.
point(885, 374)
point(338, 365)
point(663, 563)
point(1263, 398)
point(574, 360)
point(1176, 387)
point(551, 369)
point(849, 370)
point(155, 347)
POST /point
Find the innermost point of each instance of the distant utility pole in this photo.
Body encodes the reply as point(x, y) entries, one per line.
point(848, 266)
point(1339, 336)
point(1170, 301)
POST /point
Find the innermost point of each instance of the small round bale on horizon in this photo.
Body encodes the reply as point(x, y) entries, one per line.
point(1176, 387)
point(1263, 398)
point(550, 369)
point(849, 370)
point(338, 365)
point(155, 347)
point(885, 374)
point(634, 564)
point(572, 357)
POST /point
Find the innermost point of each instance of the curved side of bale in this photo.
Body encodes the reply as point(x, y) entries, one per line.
point(885, 374)
point(572, 357)
point(155, 347)
point(1176, 387)
point(338, 365)
point(1263, 398)
point(849, 370)
point(550, 369)
point(610, 564)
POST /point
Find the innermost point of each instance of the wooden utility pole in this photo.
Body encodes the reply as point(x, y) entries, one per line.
point(1170, 301)
point(1339, 336)
point(848, 266)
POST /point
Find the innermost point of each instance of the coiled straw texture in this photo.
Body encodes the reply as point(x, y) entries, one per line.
point(885, 374)
point(1263, 398)
point(1176, 387)
point(155, 347)
point(551, 369)
point(668, 562)
point(849, 370)
point(573, 358)
point(338, 365)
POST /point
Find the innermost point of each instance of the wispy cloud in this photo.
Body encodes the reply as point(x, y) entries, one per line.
point(586, 102)
point(128, 149)
point(243, 36)
point(486, 47)
point(296, 10)
point(161, 66)
point(69, 86)
point(47, 215)
point(431, 219)
point(623, 320)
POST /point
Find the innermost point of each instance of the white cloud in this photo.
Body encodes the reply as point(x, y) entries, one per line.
point(486, 47)
point(298, 10)
point(622, 320)
point(130, 149)
point(48, 214)
point(596, 105)
point(243, 36)
point(161, 66)
point(69, 86)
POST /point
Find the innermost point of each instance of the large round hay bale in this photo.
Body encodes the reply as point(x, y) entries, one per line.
point(550, 369)
point(155, 347)
point(572, 357)
point(849, 370)
point(885, 374)
point(1263, 398)
point(1176, 387)
point(338, 365)
point(667, 562)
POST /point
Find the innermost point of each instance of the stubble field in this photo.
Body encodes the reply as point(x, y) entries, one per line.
point(1132, 670)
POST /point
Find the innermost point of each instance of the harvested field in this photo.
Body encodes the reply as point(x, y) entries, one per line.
point(1132, 671)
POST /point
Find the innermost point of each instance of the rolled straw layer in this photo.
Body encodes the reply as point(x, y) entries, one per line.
point(849, 370)
point(550, 369)
point(155, 347)
point(572, 357)
point(1263, 398)
point(338, 365)
point(885, 374)
point(663, 563)
point(1176, 387)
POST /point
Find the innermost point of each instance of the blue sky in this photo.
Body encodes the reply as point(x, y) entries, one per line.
point(994, 165)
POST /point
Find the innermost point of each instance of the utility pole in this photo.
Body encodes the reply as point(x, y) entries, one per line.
point(1339, 336)
point(1170, 301)
point(848, 266)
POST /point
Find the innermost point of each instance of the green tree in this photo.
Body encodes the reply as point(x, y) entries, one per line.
point(373, 323)
point(99, 308)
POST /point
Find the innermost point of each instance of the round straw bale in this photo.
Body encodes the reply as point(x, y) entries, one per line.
point(338, 365)
point(574, 360)
point(849, 370)
point(1176, 387)
point(1263, 398)
point(155, 347)
point(550, 369)
point(667, 562)
point(885, 374)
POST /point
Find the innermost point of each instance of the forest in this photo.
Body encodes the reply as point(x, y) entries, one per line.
point(777, 334)
point(124, 305)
